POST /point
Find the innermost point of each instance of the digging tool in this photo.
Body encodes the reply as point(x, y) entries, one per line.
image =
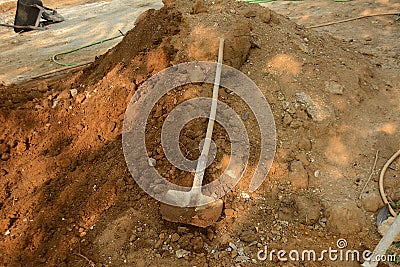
point(202, 215)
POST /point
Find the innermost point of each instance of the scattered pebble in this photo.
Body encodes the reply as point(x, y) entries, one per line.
point(73, 92)
point(245, 116)
point(334, 87)
point(248, 236)
point(175, 237)
point(245, 195)
point(80, 98)
point(182, 230)
point(229, 212)
point(180, 253)
point(152, 162)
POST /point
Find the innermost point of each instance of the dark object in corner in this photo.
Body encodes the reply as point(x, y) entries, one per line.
point(29, 13)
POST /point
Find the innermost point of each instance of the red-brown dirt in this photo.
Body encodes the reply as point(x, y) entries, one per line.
point(68, 199)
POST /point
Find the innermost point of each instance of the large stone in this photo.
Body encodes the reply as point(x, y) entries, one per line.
point(345, 218)
point(316, 108)
point(372, 201)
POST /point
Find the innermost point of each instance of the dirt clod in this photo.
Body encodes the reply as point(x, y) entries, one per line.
point(345, 218)
point(372, 201)
point(308, 209)
point(199, 7)
point(298, 175)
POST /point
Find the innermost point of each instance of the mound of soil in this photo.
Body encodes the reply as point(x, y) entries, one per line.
point(68, 199)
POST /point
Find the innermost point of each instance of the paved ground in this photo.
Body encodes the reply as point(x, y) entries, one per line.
point(28, 54)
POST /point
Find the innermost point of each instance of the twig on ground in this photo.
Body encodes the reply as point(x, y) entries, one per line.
point(371, 174)
point(28, 27)
point(91, 263)
point(351, 19)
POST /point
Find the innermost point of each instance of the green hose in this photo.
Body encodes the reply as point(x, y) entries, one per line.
point(54, 58)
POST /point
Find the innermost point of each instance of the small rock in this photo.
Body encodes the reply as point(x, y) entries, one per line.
point(5, 156)
point(180, 253)
point(140, 263)
point(229, 212)
point(210, 234)
point(133, 238)
point(305, 144)
point(334, 87)
point(298, 175)
point(73, 92)
point(4, 148)
point(63, 95)
point(199, 7)
point(287, 120)
point(159, 111)
point(158, 244)
point(8, 232)
point(291, 110)
point(275, 19)
point(64, 162)
point(3, 172)
point(80, 127)
point(234, 253)
point(197, 243)
point(345, 218)
point(308, 209)
point(296, 124)
point(384, 227)
point(46, 103)
point(248, 236)
point(265, 15)
point(245, 195)
point(152, 162)
point(175, 237)
point(111, 126)
point(245, 116)
point(250, 13)
point(80, 98)
point(302, 157)
point(185, 240)
point(55, 104)
point(233, 246)
point(372, 201)
point(183, 230)
point(21, 147)
point(242, 259)
point(316, 112)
